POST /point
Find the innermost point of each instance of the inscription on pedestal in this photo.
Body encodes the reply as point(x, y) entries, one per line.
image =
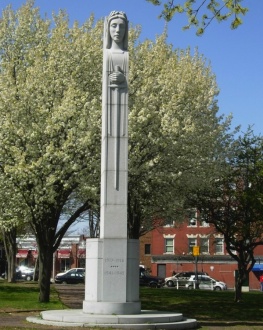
point(114, 266)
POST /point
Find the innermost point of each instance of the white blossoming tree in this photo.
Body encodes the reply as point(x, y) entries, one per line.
point(50, 123)
point(50, 139)
point(176, 138)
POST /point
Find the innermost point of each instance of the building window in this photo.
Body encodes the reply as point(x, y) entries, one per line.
point(81, 262)
point(169, 245)
point(64, 264)
point(191, 243)
point(169, 223)
point(192, 218)
point(204, 245)
point(147, 249)
point(219, 245)
point(203, 221)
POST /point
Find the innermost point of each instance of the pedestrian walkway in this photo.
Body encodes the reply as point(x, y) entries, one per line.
point(72, 296)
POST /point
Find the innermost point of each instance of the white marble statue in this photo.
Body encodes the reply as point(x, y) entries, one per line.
point(115, 92)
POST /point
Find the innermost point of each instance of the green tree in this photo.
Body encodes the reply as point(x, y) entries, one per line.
point(201, 13)
point(234, 205)
point(50, 123)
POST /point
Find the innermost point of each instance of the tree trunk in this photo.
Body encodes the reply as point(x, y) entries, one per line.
point(134, 220)
point(45, 257)
point(36, 271)
point(241, 276)
point(10, 248)
point(238, 289)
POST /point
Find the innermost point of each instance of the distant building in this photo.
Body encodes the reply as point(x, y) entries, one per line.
point(163, 251)
point(70, 254)
point(169, 249)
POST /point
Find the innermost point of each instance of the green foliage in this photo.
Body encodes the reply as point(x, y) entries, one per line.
point(233, 204)
point(201, 13)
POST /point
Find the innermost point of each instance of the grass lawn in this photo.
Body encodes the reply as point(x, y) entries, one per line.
point(210, 308)
point(24, 296)
point(216, 306)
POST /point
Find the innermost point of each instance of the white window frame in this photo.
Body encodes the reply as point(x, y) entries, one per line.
point(203, 223)
point(167, 247)
point(217, 240)
point(202, 240)
point(192, 238)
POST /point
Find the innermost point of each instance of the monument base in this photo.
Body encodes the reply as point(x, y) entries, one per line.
point(112, 276)
point(145, 320)
point(110, 308)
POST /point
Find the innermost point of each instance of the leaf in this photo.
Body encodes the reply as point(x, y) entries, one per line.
point(235, 24)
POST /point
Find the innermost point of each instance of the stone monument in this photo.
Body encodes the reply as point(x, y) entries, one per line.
point(112, 261)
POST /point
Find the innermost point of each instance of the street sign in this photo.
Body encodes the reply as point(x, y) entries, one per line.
point(196, 251)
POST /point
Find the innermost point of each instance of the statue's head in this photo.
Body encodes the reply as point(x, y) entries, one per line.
point(118, 16)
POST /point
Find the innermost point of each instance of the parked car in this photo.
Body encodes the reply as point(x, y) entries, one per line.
point(27, 273)
point(149, 280)
point(23, 273)
point(206, 283)
point(72, 276)
point(18, 274)
point(180, 279)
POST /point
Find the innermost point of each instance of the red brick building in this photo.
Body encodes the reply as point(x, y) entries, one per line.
point(164, 250)
point(169, 249)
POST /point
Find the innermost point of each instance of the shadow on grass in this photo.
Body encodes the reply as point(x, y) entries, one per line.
point(208, 307)
point(205, 305)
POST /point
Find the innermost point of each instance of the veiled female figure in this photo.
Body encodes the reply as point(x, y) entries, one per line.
point(115, 94)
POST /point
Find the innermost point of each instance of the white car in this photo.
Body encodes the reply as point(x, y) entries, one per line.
point(180, 279)
point(27, 273)
point(206, 283)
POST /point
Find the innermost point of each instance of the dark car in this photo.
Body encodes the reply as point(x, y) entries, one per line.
point(149, 280)
point(27, 273)
point(18, 274)
point(72, 276)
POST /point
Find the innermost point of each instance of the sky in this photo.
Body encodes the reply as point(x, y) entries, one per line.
point(235, 56)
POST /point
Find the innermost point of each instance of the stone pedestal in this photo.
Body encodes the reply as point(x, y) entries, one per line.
point(112, 277)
